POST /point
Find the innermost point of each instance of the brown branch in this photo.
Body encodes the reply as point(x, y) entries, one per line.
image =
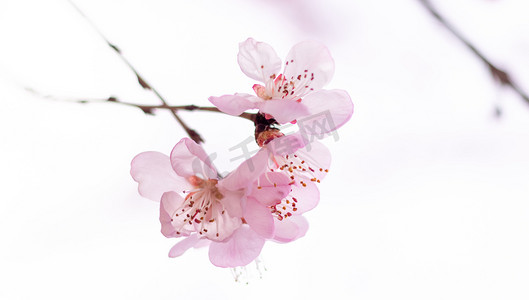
point(142, 82)
point(498, 74)
point(147, 109)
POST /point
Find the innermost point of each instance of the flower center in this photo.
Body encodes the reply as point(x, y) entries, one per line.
point(206, 185)
point(300, 172)
point(279, 87)
point(285, 208)
point(200, 208)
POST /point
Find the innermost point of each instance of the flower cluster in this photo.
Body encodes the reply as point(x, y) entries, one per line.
point(265, 197)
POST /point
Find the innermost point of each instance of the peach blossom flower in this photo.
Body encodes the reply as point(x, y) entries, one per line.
point(233, 217)
point(296, 92)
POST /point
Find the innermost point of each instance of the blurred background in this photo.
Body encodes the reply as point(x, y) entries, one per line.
point(427, 197)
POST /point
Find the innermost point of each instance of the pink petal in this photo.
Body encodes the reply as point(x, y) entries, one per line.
point(234, 104)
point(247, 172)
point(232, 201)
point(188, 159)
point(223, 224)
point(328, 111)
point(312, 59)
point(259, 217)
point(258, 60)
point(307, 196)
point(284, 110)
point(241, 249)
point(202, 243)
point(182, 246)
point(290, 229)
point(286, 145)
point(271, 188)
point(171, 201)
point(155, 176)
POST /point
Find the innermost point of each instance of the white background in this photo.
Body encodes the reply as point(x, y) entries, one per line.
point(428, 196)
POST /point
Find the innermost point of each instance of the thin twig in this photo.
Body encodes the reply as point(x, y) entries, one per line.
point(144, 84)
point(147, 109)
point(500, 75)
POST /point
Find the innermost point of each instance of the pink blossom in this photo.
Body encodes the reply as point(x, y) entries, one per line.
point(194, 203)
point(296, 92)
point(263, 221)
point(287, 161)
point(233, 218)
point(192, 198)
point(260, 223)
point(273, 211)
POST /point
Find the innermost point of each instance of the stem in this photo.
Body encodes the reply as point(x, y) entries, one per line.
point(502, 76)
point(147, 109)
point(190, 132)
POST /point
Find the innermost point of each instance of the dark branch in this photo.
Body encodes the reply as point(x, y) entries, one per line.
point(143, 83)
point(147, 109)
point(500, 75)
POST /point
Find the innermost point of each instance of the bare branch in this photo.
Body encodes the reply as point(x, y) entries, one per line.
point(147, 109)
point(142, 82)
point(498, 74)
